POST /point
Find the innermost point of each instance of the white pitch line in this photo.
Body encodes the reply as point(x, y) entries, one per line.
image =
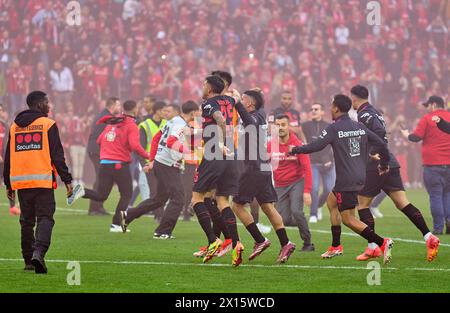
point(393, 238)
point(204, 265)
point(288, 227)
point(244, 265)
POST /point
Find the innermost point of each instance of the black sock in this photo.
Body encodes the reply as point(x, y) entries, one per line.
point(205, 222)
point(282, 236)
point(256, 234)
point(219, 225)
point(212, 207)
point(367, 218)
point(230, 220)
point(336, 234)
point(416, 217)
point(371, 236)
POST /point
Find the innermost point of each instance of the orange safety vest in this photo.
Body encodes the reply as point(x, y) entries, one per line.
point(31, 165)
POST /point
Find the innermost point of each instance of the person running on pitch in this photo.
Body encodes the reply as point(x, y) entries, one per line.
point(166, 161)
point(350, 141)
point(256, 179)
point(391, 183)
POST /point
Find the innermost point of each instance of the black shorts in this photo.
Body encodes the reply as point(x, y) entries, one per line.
point(221, 175)
point(256, 184)
point(346, 200)
point(392, 181)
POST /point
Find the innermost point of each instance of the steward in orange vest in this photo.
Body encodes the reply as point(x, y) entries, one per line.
point(34, 156)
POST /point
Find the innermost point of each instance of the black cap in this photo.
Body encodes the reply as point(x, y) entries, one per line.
point(434, 99)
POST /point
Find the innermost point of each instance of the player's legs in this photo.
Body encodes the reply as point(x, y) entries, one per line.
point(336, 248)
point(200, 209)
point(347, 202)
point(415, 216)
point(287, 247)
point(208, 174)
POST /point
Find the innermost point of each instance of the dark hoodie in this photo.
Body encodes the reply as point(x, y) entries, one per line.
point(24, 119)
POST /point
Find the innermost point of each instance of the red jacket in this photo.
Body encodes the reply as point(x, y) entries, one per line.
point(119, 139)
point(436, 144)
point(289, 169)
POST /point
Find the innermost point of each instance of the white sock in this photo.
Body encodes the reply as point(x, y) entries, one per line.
point(372, 246)
point(427, 236)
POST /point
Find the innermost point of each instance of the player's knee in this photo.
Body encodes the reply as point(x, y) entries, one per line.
point(346, 218)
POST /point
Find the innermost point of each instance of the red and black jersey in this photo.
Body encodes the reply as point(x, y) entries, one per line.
point(224, 104)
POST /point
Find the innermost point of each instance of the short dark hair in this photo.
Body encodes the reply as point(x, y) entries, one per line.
point(36, 97)
point(224, 75)
point(318, 103)
point(343, 103)
point(282, 117)
point(360, 91)
point(189, 106)
point(152, 97)
point(217, 84)
point(175, 107)
point(257, 97)
point(129, 105)
point(159, 105)
point(111, 101)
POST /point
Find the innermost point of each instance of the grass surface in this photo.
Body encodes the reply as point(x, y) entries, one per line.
point(134, 262)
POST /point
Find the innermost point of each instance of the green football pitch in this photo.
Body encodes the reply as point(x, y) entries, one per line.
point(135, 262)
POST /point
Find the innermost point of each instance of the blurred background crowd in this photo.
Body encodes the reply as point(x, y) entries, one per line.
point(314, 48)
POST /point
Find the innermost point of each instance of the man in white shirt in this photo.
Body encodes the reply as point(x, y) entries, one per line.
point(61, 80)
point(166, 161)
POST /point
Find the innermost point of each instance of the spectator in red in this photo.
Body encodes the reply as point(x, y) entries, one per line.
point(293, 180)
point(18, 86)
point(436, 162)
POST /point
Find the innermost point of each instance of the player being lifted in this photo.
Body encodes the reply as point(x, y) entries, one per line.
point(217, 171)
point(350, 141)
point(256, 179)
point(391, 183)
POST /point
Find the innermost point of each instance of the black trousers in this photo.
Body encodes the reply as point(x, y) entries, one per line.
point(37, 206)
point(110, 174)
point(153, 185)
point(188, 183)
point(95, 205)
point(169, 188)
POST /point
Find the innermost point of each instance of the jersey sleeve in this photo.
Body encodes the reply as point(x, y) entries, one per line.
point(373, 123)
point(210, 107)
point(319, 144)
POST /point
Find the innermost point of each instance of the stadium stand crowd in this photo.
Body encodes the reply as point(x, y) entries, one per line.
point(315, 48)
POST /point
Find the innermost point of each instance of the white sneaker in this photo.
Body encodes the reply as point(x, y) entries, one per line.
point(376, 213)
point(117, 229)
point(313, 220)
point(319, 214)
point(264, 229)
point(78, 192)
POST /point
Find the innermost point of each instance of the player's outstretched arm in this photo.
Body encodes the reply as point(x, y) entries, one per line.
point(319, 144)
